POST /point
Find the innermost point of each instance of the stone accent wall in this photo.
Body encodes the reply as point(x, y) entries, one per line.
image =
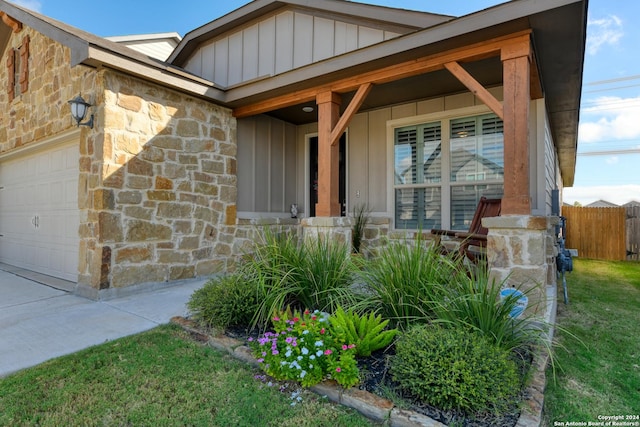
point(158, 184)
point(522, 253)
point(335, 228)
point(42, 111)
point(341, 229)
point(248, 232)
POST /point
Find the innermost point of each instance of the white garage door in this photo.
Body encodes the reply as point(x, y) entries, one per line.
point(39, 215)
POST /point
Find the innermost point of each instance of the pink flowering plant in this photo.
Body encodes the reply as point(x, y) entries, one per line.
point(303, 348)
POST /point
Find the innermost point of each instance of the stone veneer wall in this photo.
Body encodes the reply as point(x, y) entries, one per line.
point(341, 228)
point(522, 252)
point(158, 187)
point(42, 111)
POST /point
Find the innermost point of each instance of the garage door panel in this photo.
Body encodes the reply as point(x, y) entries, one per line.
point(39, 216)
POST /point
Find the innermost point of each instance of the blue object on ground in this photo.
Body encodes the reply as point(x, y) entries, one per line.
point(521, 304)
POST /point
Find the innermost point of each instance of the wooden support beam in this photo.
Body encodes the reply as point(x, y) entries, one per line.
point(328, 156)
point(15, 25)
point(516, 60)
point(537, 91)
point(473, 52)
point(475, 87)
point(352, 108)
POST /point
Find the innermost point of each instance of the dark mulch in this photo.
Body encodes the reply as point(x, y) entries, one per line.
point(377, 380)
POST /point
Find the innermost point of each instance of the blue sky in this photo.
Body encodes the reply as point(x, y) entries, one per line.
point(608, 162)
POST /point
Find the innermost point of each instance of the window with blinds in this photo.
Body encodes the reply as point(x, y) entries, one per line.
point(418, 165)
point(475, 169)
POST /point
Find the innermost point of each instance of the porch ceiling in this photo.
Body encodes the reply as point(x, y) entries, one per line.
point(431, 85)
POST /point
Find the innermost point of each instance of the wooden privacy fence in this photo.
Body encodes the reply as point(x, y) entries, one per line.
point(597, 233)
point(633, 233)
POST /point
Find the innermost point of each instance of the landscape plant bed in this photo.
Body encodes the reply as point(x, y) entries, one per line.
point(376, 381)
point(452, 332)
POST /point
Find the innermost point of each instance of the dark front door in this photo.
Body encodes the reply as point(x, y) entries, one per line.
point(313, 175)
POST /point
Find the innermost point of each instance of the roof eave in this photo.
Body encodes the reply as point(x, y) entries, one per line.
point(96, 52)
point(164, 75)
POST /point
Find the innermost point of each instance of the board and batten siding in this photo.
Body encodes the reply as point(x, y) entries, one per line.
point(368, 148)
point(279, 43)
point(267, 161)
point(552, 167)
point(544, 169)
point(273, 158)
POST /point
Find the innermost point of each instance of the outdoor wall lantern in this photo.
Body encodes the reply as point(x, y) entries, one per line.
point(79, 108)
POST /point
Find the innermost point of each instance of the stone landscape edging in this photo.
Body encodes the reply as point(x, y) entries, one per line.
point(383, 410)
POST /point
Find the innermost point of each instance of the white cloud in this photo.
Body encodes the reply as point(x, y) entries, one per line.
point(612, 160)
point(612, 118)
point(34, 5)
point(618, 194)
point(604, 31)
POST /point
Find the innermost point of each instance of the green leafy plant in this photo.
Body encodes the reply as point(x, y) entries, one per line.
point(365, 332)
point(407, 280)
point(225, 301)
point(303, 349)
point(361, 218)
point(317, 274)
point(474, 302)
point(455, 368)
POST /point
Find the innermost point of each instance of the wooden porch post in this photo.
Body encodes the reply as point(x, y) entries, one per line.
point(328, 155)
point(516, 79)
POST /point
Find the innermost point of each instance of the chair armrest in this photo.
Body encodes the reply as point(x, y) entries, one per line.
point(449, 233)
point(471, 236)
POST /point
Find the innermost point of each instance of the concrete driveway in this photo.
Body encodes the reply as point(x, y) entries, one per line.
point(39, 322)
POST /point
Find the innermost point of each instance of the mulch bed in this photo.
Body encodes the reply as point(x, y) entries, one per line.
point(378, 381)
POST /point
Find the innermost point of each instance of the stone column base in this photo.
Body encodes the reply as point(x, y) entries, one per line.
point(521, 253)
point(337, 228)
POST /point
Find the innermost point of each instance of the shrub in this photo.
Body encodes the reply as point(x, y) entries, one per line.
point(303, 349)
point(225, 301)
point(474, 302)
point(317, 274)
point(406, 281)
point(455, 368)
point(365, 332)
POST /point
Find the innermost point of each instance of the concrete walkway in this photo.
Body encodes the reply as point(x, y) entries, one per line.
point(39, 322)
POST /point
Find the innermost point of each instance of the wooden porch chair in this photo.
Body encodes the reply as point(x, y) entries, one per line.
point(473, 243)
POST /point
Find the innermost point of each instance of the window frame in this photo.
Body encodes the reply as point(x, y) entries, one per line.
point(446, 183)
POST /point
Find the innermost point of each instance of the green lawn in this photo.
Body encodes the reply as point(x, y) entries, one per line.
point(601, 374)
point(159, 378)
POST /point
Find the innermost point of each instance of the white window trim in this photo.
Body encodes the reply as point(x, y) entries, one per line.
point(392, 125)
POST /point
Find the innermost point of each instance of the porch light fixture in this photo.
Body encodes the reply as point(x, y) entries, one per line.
point(307, 109)
point(79, 108)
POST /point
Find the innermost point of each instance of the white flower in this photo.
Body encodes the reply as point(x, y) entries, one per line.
point(319, 353)
point(305, 332)
point(312, 357)
point(319, 343)
point(305, 350)
point(303, 374)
